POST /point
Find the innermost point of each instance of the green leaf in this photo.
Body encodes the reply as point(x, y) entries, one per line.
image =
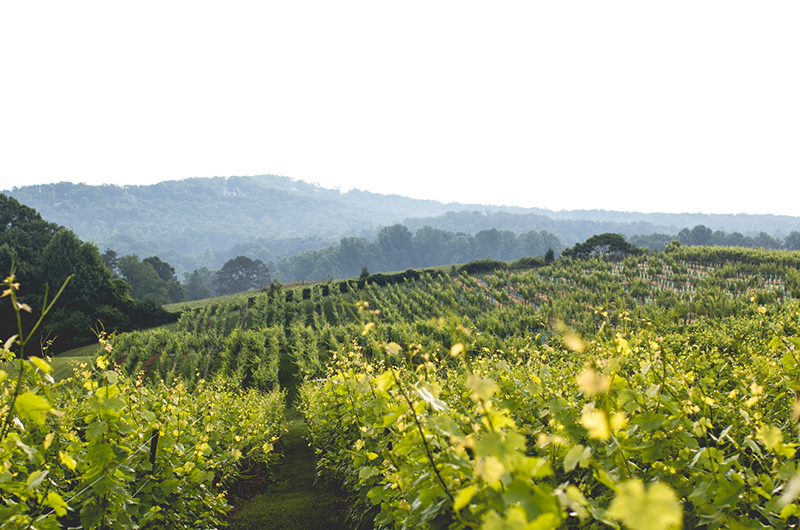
point(10, 342)
point(67, 460)
point(657, 508)
point(41, 364)
point(95, 429)
point(482, 388)
point(55, 501)
point(29, 405)
point(464, 496)
point(385, 381)
point(577, 454)
point(367, 472)
point(770, 436)
point(35, 479)
point(393, 348)
point(650, 421)
point(435, 403)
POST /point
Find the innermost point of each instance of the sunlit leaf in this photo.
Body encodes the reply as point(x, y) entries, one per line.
point(770, 436)
point(596, 423)
point(57, 503)
point(41, 364)
point(482, 388)
point(656, 508)
point(463, 496)
point(35, 407)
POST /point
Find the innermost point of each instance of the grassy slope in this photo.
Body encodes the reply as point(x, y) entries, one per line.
point(64, 363)
point(295, 499)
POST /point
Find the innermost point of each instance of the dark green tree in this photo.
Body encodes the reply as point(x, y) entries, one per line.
point(43, 255)
point(606, 244)
point(396, 247)
point(207, 278)
point(111, 260)
point(166, 272)
point(488, 243)
point(241, 274)
point(143, 279)
point(793, 241)
point(195, 289)
point(701, 235)
point(429, 247)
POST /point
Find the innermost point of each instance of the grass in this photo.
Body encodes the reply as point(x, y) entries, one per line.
point(65, 363)
point(195, 304)
point(294, 499)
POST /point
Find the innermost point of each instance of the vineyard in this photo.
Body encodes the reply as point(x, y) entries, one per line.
point(655, 391)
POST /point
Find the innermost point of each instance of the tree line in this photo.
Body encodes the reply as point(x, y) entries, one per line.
point(42, 256)
point(154, 278)
point(701, 235)
point(397, 248)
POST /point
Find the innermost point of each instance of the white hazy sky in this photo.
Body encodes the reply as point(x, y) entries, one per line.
point(679, 106)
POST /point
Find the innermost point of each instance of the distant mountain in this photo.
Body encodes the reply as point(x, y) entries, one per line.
point(205, 221)
point(191, 215)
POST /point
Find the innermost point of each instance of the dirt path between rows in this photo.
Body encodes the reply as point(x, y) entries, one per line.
point(294, 498)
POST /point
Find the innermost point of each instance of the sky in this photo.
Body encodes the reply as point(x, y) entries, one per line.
point(680, 106)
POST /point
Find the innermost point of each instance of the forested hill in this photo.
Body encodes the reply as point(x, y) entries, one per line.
point(205, 221)
point(190, 215)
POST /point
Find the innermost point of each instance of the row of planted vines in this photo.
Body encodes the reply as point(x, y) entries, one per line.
point(105, 449)
point(649, 392)
point(630, 415)
point(639, 429)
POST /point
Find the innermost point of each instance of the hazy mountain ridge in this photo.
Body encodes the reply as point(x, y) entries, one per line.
point(204, 221)
point(193, 214)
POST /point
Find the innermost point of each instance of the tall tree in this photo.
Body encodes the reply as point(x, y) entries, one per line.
point(166, 272)
point(143, 279)
point(602, 245)
point(395, 245)
point(111, 260)
point(241, 274)
point(793, 241)
point(195, 289)
point(489, 243)
point(207, 277)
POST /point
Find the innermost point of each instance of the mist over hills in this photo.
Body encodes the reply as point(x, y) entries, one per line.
point(205, 221)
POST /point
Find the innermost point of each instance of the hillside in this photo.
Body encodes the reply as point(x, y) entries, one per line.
point(190, 215)
point(581, 393)
point(200, 222)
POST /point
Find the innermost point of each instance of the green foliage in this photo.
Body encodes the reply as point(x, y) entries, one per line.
point(622, 429)
point(652, 391)
point(43, 254)
point(601, 245)
point(481, 266)
point(195, 288)
point(241, 274)
point(103, 451)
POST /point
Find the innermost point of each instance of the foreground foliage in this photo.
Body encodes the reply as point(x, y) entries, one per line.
point(652, 391)
point(623, 429)
point(101, 450)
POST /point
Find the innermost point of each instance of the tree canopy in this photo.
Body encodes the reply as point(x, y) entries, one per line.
point(602, 245)
point(43, 255)
point(241, 274)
